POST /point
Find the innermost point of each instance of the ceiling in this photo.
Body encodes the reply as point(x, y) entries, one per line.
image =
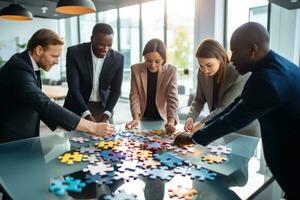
point(288, 4)
point(35, 6)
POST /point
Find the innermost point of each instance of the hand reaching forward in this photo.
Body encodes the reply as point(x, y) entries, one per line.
point(188, 126)
point(132, 125)
point(170, 128)
point(104, 129)
point(101, 129)
point(197, 126)
point(183, 139)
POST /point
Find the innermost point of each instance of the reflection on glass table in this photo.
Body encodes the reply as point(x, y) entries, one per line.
point(28, 166)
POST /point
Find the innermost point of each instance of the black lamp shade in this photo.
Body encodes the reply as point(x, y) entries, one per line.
point(15, 12)
point(75, 7)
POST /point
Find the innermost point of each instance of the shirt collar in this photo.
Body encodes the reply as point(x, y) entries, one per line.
point(35, 66)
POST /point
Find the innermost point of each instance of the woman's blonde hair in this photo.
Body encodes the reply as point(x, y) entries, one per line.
point(210, 48)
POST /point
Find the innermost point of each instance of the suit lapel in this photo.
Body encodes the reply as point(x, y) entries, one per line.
point(26, 57)
point(89, 61)
point(209, 90)
point(106, 67)
point(229, 79)
point(160, 78)
point(143, 72)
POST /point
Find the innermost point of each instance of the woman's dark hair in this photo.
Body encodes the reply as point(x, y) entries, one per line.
point(210, 48)
point(156, 45)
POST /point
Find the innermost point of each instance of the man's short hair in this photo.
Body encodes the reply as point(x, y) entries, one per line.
point(103, 28)
point(44, 37)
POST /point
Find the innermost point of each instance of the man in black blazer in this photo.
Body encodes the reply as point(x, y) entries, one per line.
point(271, 95)
point(23, 104)
point(94, 75)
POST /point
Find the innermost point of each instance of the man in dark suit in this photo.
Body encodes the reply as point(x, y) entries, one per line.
point(94, 75)
point(271, 95)
point(23, 104)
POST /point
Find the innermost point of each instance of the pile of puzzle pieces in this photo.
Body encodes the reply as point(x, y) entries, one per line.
point(130, 154)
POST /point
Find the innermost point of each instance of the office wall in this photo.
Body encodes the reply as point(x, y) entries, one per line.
point(209, 23)
point(19, 32)
point(209, 20)
point(285, 32)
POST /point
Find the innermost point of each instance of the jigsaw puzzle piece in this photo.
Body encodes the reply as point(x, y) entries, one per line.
point(202, 174)
point(181, 192)
point(169, 159)
point(59, 187)
point(219, 149)
point(211, 158)
point(71, 158)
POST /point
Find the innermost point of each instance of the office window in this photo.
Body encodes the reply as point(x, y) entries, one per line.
point(62, 33)
point(110, 17)
point(152, 21)
point(180, 40)
point(240, 12)
point(68, 30)
point(284, 32)
point(129, 38)
point(86, 24)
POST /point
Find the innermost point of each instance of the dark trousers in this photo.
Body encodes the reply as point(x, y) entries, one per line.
point(97, 110)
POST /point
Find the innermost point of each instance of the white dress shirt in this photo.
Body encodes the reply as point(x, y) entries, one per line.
point(35, 66)
point(95, 97)
point(97, 67)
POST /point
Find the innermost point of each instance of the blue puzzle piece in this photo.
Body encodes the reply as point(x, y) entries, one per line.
point(154, 146)
point(163, 173)
point(184, 171)
point(59, 187)
point(138, 138)
point(169, 159)
point(124, 133)
point(202, 174)
point(107, 179)
point(112, 156)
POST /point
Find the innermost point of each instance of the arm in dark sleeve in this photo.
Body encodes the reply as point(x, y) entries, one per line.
point(31, 95)
point(115, 87)
point(74, 81)
point(228, 108)
point(256, 100)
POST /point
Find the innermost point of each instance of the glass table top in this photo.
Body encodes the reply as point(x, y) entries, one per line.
point(27, 167)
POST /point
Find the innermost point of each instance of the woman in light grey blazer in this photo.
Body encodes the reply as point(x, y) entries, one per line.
point(218, 85)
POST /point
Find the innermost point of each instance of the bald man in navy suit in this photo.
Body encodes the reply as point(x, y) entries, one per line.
point(271, 95)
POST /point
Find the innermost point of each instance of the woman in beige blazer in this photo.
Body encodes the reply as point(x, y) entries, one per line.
point(153, 93)
point(218, 85)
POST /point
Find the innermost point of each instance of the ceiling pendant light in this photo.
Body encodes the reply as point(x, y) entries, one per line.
point(15, 12)
point(75, 7)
